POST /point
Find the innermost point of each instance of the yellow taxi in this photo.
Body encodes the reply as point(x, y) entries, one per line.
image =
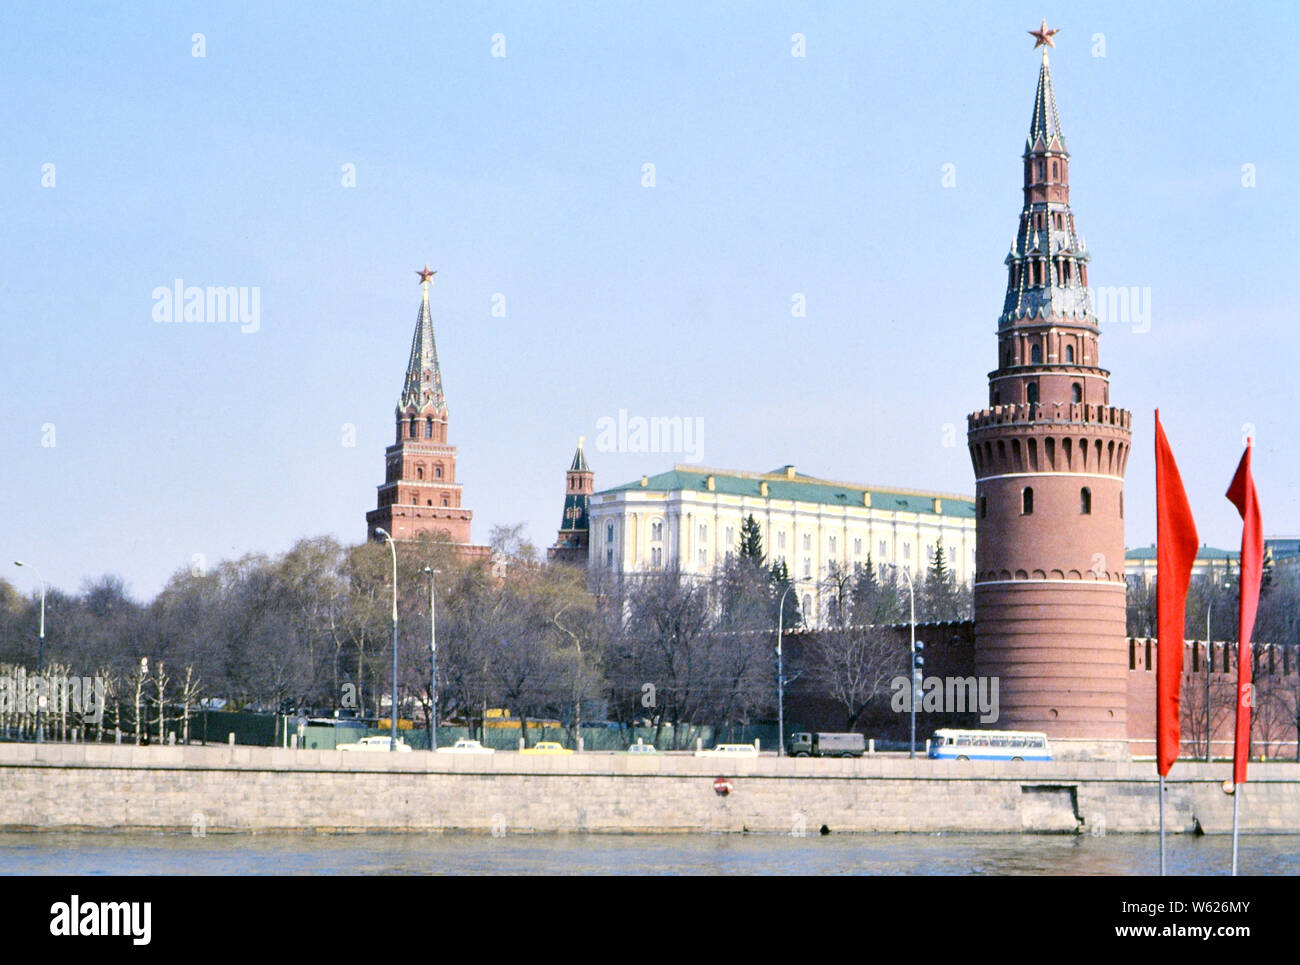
point(546, 747)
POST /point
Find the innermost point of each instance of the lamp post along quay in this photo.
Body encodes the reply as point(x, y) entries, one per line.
point(392, 743)
point(40, 652)
point(916, 662)
point(433, 662)
point(780, 670)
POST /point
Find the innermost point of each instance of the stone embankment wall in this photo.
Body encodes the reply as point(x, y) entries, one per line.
point(246, 789)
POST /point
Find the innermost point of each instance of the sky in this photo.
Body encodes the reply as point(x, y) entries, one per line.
point(316, 155)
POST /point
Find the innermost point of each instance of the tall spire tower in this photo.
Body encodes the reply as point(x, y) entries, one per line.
point(420, 494)
point(1049, 455)
point(573, 539)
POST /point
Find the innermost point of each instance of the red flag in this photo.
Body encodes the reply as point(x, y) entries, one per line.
point(1242, 495)
point(1176, 543)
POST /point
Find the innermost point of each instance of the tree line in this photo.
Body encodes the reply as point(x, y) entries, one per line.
point(310, 632)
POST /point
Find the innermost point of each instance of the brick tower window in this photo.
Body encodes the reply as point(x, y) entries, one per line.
point(1076, 392)
point(1069, 353)
point(1085, 501)
point(1031, 393)
point(428, 428)
point(1027, 501)
point(1036, 354)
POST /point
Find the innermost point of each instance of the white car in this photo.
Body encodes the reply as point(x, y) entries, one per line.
point(729, 750)
point(466, 746)
point(640, 748)
point(375, 744)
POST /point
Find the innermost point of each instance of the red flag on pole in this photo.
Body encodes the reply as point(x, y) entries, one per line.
point(1176, 543)
point(1242, 495)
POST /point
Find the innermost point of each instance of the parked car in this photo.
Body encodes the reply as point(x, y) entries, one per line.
point(729, 750)
point(640, 748)
point(546, 747)
point(466, 746)
point(375, 744)
point(827, 745)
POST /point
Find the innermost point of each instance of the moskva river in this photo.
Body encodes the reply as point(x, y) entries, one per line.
point(41, 853)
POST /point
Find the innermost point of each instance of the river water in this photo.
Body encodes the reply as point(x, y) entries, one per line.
point(42, 853)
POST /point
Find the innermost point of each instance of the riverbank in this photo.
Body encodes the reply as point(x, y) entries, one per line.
point(223, 789)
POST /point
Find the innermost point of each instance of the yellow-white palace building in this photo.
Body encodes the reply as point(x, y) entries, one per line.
point(691, 517)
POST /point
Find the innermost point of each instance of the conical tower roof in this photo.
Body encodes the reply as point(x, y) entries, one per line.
point(423, 383)
point(1045, 126)
point(580, 459)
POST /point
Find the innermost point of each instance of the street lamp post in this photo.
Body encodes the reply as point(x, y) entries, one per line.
point(392, 744)
point(40, 652)
point(433, 663)
point(1209, 665)
point(911, 682)
point(780, 671)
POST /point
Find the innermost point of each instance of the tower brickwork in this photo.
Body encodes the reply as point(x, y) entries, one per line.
point(1049, 455)
point(573, 540)
point(420, 494)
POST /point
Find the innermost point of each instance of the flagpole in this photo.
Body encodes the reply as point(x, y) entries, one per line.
point(1236, 801)
point(1162, 825)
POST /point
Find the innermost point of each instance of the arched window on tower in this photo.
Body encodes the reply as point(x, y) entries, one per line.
point(428, 427)
point(411, 433)
point(1031, 393)
point(1085, 501)
point(444, 500)
point(1035, 354)
point(419, 472)
point(1069, 353)
point(437, 472)
point(1055, 171)
point(1027, 501)
point(1076, 392)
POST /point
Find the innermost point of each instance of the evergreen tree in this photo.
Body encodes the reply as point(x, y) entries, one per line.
point(751, 541)
point(779, 582)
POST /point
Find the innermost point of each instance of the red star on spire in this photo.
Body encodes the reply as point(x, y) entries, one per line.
point(425, 274)
point(1043, 36)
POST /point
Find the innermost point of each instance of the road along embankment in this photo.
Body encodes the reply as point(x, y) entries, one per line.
point(251, 789)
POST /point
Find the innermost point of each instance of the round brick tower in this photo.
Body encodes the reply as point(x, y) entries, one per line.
point(1049, 455)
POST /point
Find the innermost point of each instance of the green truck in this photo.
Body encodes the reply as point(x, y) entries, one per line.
point(827, 745)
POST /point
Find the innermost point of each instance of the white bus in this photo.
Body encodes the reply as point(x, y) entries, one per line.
point(989, 745)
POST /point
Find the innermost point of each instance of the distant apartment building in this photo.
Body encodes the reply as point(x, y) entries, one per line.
point(690, 518)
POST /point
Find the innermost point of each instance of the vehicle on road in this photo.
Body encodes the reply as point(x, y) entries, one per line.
point(375, 744)
point(546, 747)
point(950, 744)
point(466, 746)
point(827, 745)
point(640, 748)
point(729, 750)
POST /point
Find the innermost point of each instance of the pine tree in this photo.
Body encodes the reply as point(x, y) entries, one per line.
point(751, 541)
point(779, 581)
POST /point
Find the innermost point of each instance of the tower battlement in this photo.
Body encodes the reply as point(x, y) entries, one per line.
point(1051, 413)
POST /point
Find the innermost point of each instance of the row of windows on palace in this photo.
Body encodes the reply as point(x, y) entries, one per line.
point(1027, 503)
point(832, 547)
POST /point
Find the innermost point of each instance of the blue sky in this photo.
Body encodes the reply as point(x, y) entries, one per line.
point(522, 176)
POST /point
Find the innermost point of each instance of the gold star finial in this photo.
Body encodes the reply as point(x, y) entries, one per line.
point(1043, 37)
point(425, 274)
